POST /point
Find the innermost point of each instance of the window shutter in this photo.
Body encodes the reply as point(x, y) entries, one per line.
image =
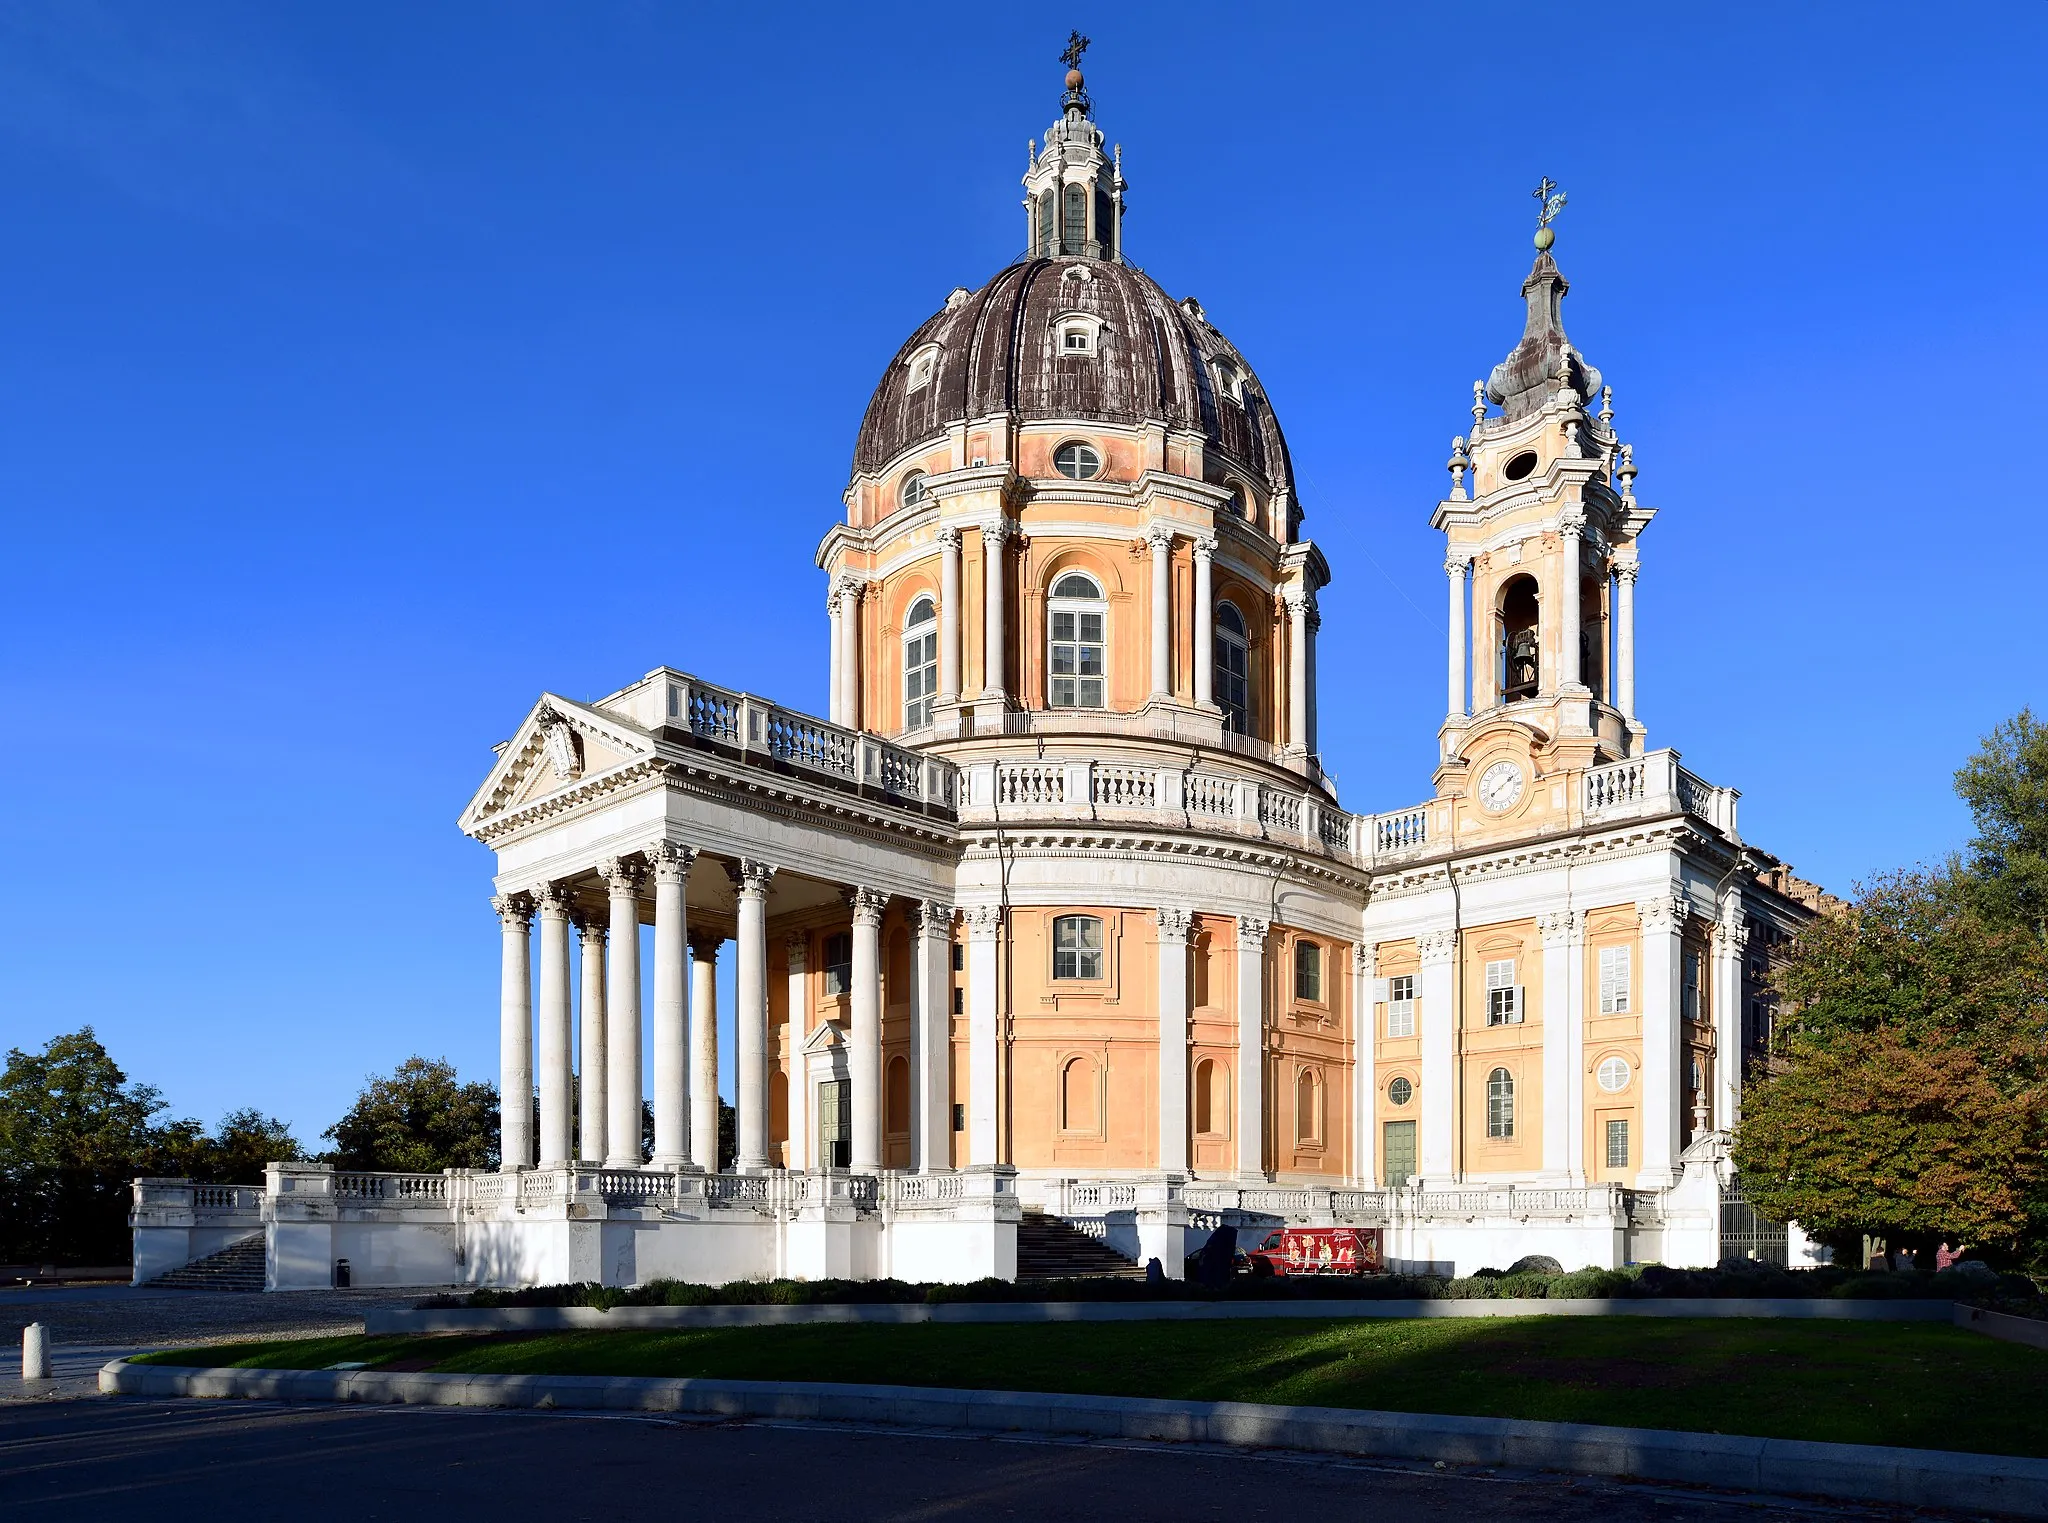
point(1521, 1004)
point(1379, 991)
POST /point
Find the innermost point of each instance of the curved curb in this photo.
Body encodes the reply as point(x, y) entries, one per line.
point(548, 1318)
point(1858, 1472)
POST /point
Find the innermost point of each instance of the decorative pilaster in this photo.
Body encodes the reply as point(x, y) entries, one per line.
point(515, 1029)
point(671, 995)
point(836, 708)
point(1174, 925)
point(1436, 1018)
point(864, 1040)
point(1205, 619)
point(750, 880)
point(1251, 1046)
point(1160, 538)
point(931, 1042)
point(1571, 529)
point(622, 877)
point(949, 615)
point(1731, 941)
point(1663, 1039)
point(1364, 1065)
point(1564, 1040)
point(984, 933)
point(556, 1030)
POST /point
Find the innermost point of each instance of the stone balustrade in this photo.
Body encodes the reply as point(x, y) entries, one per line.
point(1644, 787)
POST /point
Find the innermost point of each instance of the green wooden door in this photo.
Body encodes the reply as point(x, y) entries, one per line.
point(1397, 1156)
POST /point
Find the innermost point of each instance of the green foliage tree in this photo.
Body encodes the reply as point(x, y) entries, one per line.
point(1906, 1094)
point(419, 1118)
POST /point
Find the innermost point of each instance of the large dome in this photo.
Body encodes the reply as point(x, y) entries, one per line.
point(999, 350)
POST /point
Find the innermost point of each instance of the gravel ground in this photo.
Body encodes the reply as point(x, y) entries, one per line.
point(90, 1324)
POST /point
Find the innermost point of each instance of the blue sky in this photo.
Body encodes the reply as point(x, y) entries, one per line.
point(366, 370)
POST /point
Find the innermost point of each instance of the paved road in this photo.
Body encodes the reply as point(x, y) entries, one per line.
point(202, 1460)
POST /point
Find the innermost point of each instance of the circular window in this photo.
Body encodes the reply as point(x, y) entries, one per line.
point(912, 492)
point(1520, 466)
point(1077, 462)
point(1613, 1075)
point(1238, 504)
point(1400, 1091)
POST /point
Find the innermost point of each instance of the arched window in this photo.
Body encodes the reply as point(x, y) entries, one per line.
point(1233, 670)
point(1046, 207)
point(896, 1105)
point(1077, 462)
point(1075, 234)
point(1212, 1097)
point(1500, 1104)
point(1079, 1093)
point(1520, 620)
point(1105, 222)
point(912, 492)
point(1240, 504)
point(1308, 1106)
point(1075, 658)
point(1077, 947)
point(920, 663)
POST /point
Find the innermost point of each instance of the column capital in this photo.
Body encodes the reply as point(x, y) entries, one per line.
point(1457, 568)
point(984, 921)
point(997, 530)
point(949, 537)
point(1662, 913)
point(1365, 957)
point(1204, 546)
point(592, 928)
point(796, 947)
point(848, 588)
point(1560, 927)
point(1733, 926)
point(1436, 947)
point(515, 911)
point(671, 861)
point(1159, 536)
point(1174, 926)
point(932, 917)
point(1571, 525)
point(623, 876)
point(1252, 933)
point(868, 904)
point(552, 898)
point(1626, 571)
point(704, 944)
point(750, 879)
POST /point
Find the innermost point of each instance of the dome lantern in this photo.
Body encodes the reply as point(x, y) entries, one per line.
point(1073, 192)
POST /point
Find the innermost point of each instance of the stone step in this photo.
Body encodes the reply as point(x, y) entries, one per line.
point(1051, 1249)
point(239, 1266)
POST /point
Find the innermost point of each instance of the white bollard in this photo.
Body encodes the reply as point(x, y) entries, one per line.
point(35, 1352)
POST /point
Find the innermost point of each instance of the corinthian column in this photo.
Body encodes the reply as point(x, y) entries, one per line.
point(704, 1050)
point(1160, 538)
point(984, 1033)
point(1297, 600)
point(1625, 637)
point(864, 1041)
point(1455, 569)
point(949, 615)
point(849, 653)
point(555, 1025)
point(750, 884)
point(836, 708)
point(1205, 619)
point(1570, 528)
point(995, 636)
point(515, 1031)
point(931, 1045)
point(622, 1016)
point(1173, 1039)
point(671, 949)
point(590, 1096)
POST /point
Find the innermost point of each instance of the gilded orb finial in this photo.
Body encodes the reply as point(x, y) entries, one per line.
point(1549, 202)
point(1077, 94)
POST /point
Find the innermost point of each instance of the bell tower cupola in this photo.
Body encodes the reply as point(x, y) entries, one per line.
point(1540, 529)
point(1073, 193)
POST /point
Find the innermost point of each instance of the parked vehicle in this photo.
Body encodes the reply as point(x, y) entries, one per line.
point(1318, 1250)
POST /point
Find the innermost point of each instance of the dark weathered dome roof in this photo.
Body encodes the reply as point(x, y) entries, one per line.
point(998, 351)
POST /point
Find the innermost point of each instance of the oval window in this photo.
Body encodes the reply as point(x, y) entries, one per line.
point(1613, 1075)
point(1077, 462)
point(1400, 1091)
point(1520, 466)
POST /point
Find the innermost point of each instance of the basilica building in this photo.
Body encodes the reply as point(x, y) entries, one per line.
point(1057, 910)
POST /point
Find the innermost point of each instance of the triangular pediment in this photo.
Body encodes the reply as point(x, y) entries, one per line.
point(827, 1038)
point(559, 746)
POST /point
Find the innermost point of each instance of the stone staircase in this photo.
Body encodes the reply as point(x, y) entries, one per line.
point(239, 1266)
point(1051, 1249)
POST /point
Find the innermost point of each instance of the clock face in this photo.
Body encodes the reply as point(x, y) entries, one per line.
point(1500, 785)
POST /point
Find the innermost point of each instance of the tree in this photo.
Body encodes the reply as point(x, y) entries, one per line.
point(246, 1141)
point(73, 1133)
point(418, 1119)
point(2006, 786)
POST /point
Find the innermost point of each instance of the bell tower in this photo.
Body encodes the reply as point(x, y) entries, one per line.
point(1540, 527)
point(1073, 193)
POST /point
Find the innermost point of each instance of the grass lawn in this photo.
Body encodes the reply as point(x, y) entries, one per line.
point(1921, 1385)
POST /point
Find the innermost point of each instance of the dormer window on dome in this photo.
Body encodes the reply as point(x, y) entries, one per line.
point(1077, 461)
point(1228, 382)
point(1079, 333)
point(923, 366)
